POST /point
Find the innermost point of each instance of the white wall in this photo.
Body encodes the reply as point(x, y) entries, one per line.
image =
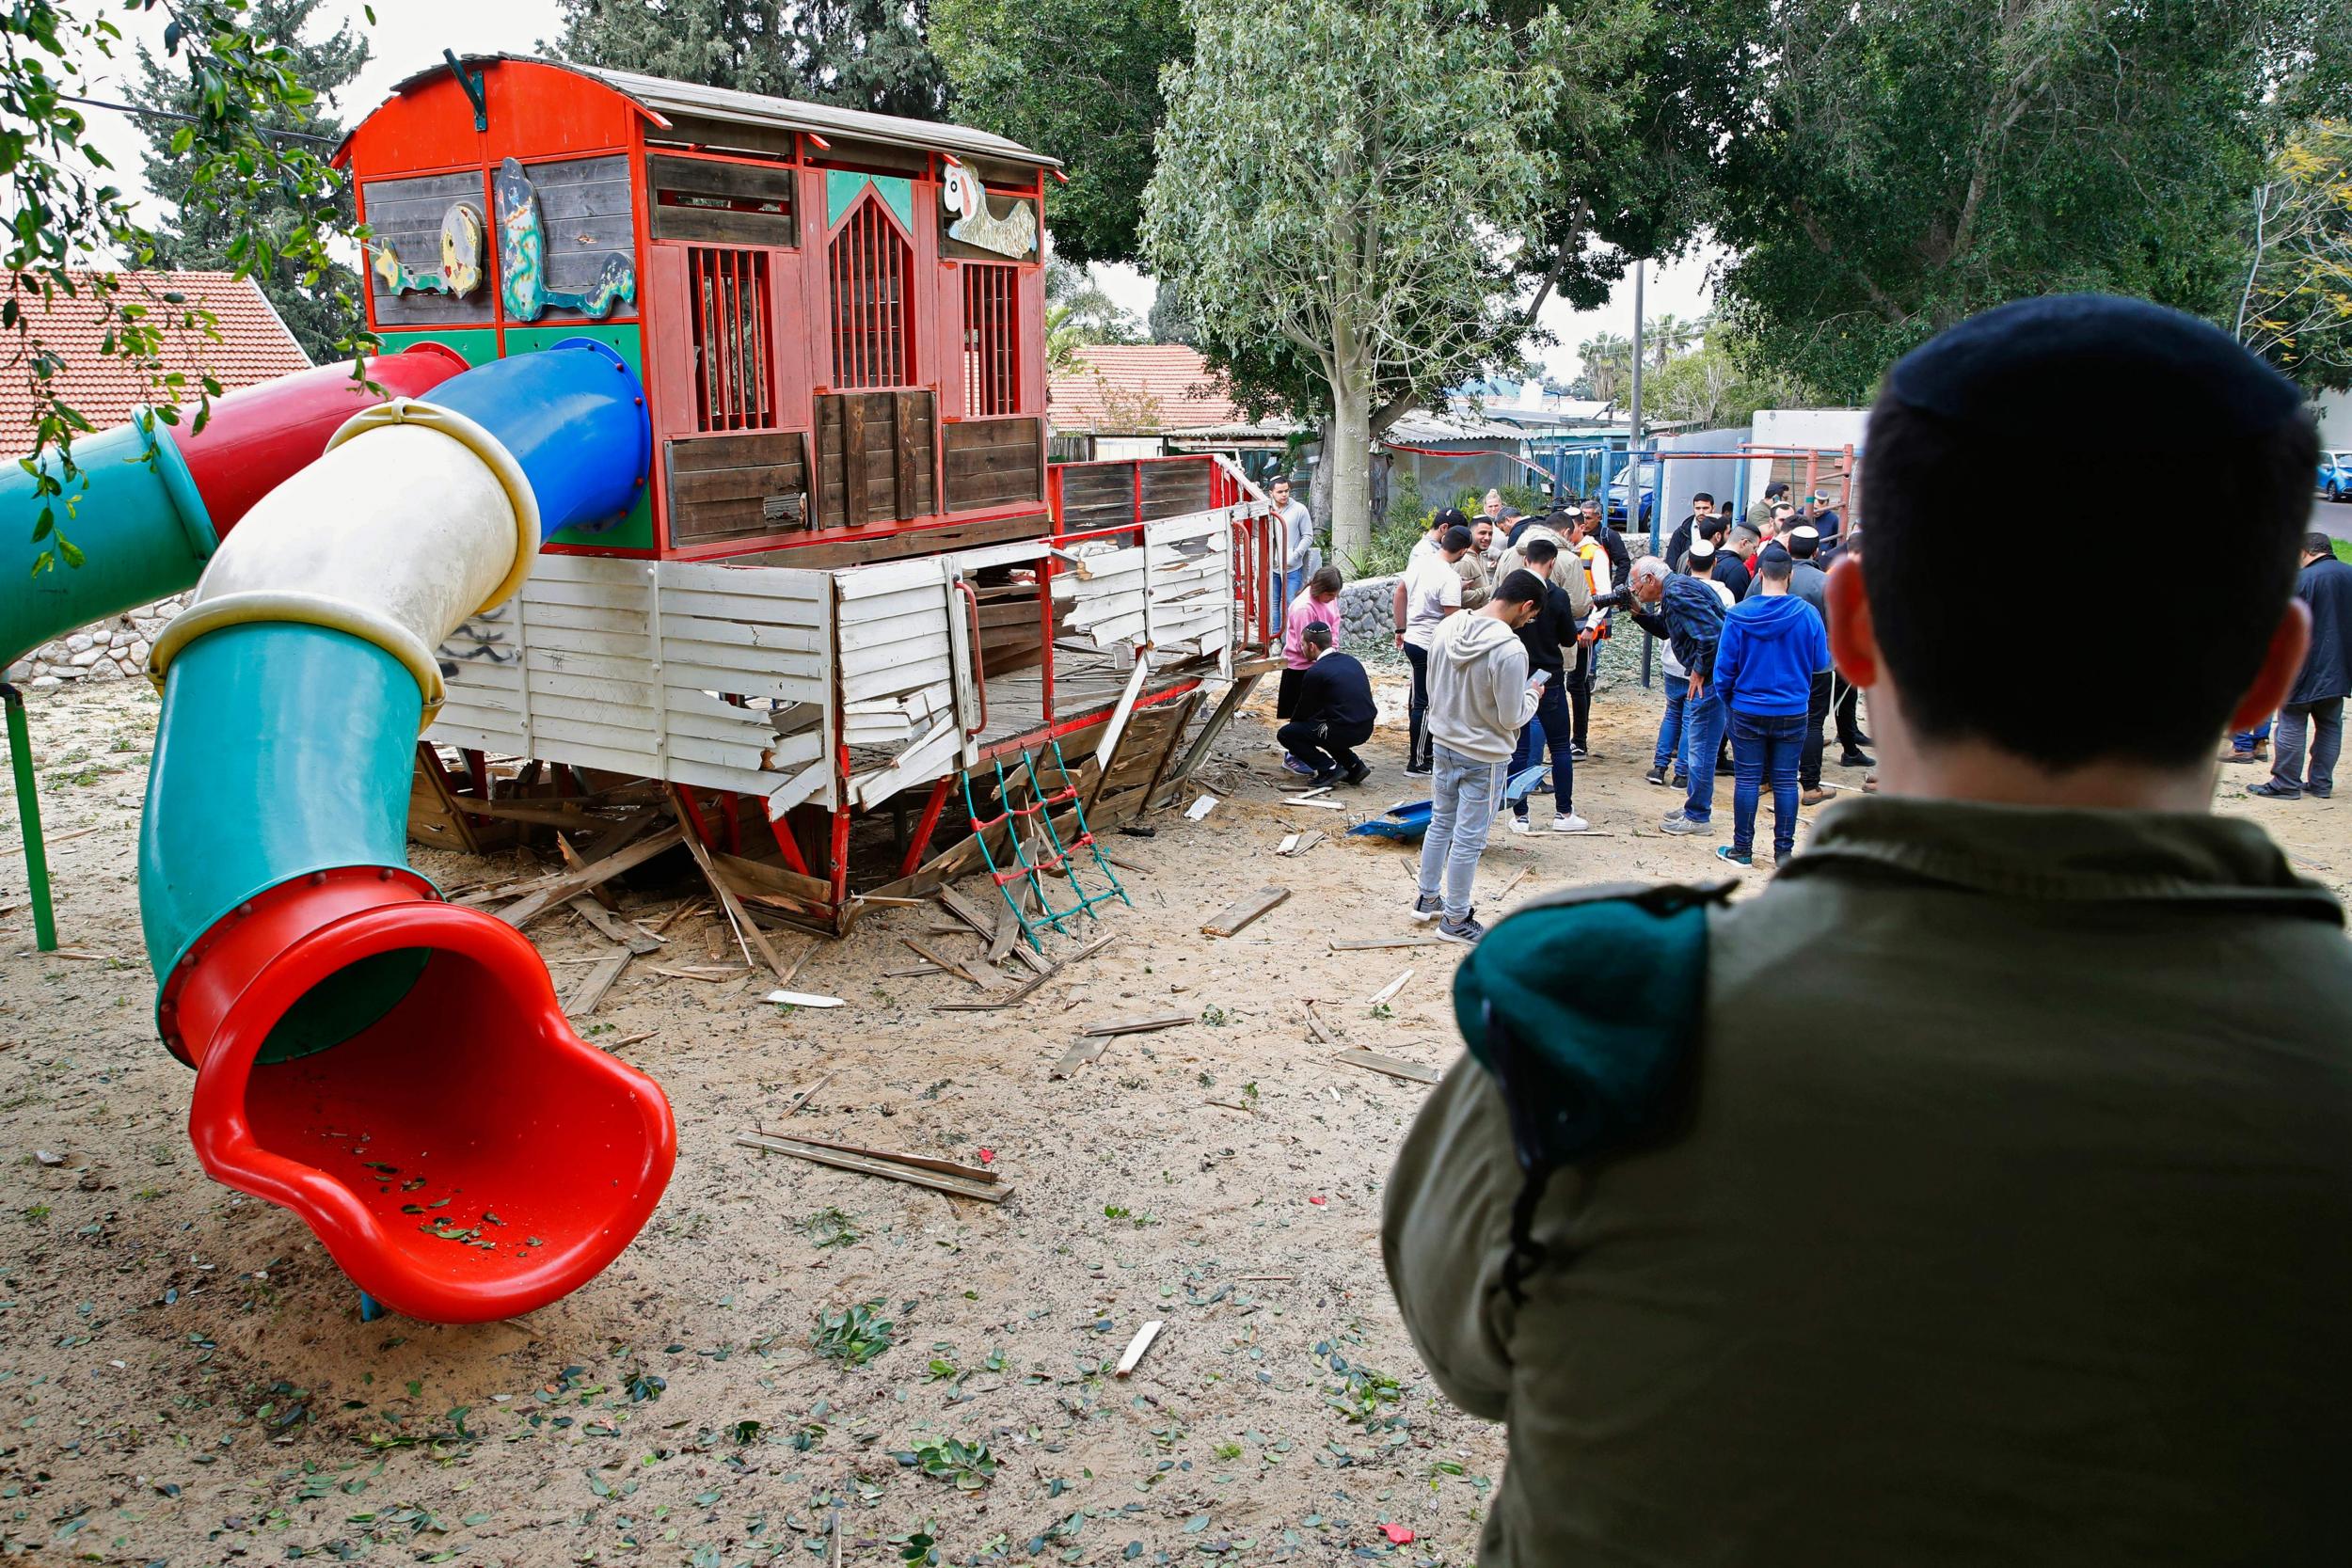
point(2335, 419)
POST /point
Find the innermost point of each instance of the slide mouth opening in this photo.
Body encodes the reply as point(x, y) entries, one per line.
point(463, 1154)
point(345, 1005)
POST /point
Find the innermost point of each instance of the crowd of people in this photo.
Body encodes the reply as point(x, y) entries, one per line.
point(1975, 1192)
point(1501, 617)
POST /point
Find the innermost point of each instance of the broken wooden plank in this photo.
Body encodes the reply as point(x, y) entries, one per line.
point(708, 974)
point(1007, 934)
point(914, 1176)
point(1080, 1054)
point(960, 971)
point(613, 928)
point(573, 859)
point(921, 1161)
point(1338, 946)
point(963, 909)
point(571, 884)
point(747, 934)
point(799, 1101)
point(803, 999)
point(1141, 1025)
point(1289, 843)
point(1244, 910)
point(1323, 1031)
point(1387, 991)
point(583, 996)
point(1202, 807)
point(1137, 1346)
point(1515, 880)
point(1303, 800)
point(1371, 1061)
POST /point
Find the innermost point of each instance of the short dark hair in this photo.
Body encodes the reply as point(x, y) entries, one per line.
point(1776, 489)
point(1916, 489)
point(1457, 538)
point(2317, 543)
point(1541, 550)
point(1317, 635)
point(1277, 479)
point(1706, 496)
point(1712, 529)
point(1521, 587)
point(1327, 580)
point(1776, 569)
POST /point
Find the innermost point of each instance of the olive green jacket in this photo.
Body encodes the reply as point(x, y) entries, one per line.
point(2009, 1221)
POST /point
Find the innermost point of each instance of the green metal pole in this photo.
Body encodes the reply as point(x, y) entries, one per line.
point(28, 814)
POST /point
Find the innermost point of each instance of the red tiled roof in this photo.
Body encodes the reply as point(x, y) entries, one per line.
point(254, 345)
point(1134, 387)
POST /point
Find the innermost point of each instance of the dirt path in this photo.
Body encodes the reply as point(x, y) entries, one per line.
point(183, 1376)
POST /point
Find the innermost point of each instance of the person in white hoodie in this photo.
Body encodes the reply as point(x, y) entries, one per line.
point(1480, 697)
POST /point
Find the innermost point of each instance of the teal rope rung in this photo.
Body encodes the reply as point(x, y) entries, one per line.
point(1086, 834)
point(1004, 879)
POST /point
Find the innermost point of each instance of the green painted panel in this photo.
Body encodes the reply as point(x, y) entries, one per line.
point(843, 189)
point(634, 531)
point(476, 345)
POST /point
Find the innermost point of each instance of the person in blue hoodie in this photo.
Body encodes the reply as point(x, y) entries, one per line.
point(1772, 644)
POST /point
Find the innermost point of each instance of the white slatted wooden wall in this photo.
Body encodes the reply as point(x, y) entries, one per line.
point(619, 664)
point(1174, 591)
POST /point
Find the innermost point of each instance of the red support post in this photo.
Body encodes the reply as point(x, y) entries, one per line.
point(787, 842)
point(694, 823)
point(923, 828)
point(840, 857)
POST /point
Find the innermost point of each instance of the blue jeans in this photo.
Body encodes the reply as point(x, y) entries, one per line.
point(1464, 795)
point(1287, 585)
point(1765, 748)
point(1670, 727)
point(1550, 728)
point(2245, 740)
point(1702, 733)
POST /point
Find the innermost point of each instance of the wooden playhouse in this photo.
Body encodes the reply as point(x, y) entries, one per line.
point(857, 608)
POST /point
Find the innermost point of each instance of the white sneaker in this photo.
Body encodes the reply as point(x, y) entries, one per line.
point(1518, 824)
point(1568, 822)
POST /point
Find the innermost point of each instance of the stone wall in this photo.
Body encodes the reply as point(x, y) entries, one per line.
point(108, 650)
point(1364, 616)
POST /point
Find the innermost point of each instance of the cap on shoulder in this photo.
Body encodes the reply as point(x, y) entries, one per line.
point(2103, 367)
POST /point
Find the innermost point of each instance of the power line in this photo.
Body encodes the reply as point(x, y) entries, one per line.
point(192, 119)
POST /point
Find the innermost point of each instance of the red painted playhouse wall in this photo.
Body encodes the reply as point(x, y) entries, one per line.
point(541, 113)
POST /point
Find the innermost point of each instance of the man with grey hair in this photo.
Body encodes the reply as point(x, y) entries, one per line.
point(1689, 615)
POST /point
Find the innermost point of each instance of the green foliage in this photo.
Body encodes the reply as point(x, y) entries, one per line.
point(857, 54)
point(66, 213)
point(1897, 168)
point(1078, 80)
point(1360, 1393)
point(970, 1466)
point(2296, 308)
point(852, 1336)
point(1718, 385)
point(829, 1228)
point(321, 308)
point(1338, 198)
point(1078, 311)
point(1405, 509)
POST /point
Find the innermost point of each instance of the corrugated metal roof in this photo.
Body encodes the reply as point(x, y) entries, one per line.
point(254, 346)
point(665, 98)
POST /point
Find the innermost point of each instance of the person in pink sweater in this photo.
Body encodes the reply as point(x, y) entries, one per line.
point(1318, 605)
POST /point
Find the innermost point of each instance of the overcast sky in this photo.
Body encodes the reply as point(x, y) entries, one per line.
point(409, 35)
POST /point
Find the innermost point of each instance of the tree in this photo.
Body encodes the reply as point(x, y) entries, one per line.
point(66, 216)
point(1608, 361)
point(1668, 336)
point(857, 54)
point(1334, 185)
point(1078, 311)
point(322, 311)
point(1896, 169)
point(2296, 308)
point(1078, 80)
point(1710, 387)
point(1170, 322)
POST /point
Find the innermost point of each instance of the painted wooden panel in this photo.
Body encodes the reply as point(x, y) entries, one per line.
point(599, 662)
point(587, 211)
point(994, 463)
point(737, 486)
point(406, 215)
point(713, 202)
point(876, 453)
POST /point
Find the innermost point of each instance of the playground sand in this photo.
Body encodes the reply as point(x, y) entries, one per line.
point(183, 1376)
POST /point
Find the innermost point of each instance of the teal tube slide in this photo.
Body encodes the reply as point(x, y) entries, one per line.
point(140, 525)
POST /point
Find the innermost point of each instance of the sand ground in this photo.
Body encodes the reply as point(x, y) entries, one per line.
point(185, 1378)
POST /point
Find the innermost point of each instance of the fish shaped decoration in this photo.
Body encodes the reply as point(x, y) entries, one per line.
point(1012, 233)
point(461, 258)
point(523, 255)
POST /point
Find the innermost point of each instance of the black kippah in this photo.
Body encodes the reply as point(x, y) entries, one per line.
point(2101, 368)
point(1772, 553)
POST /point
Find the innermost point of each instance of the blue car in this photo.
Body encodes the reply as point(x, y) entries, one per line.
point(1649, 496)
point(2335, 475)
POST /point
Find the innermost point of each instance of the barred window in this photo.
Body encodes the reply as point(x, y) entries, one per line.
point(991, 339)
point(871, 266)
point(734, 374)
